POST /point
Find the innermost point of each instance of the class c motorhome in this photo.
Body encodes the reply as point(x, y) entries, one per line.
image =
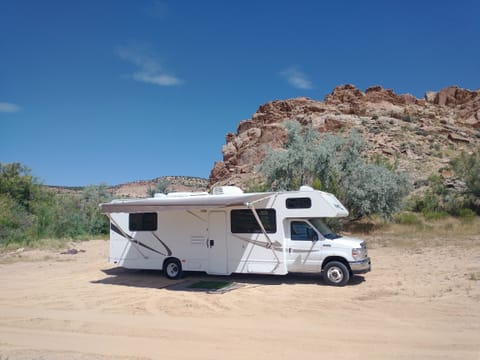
point(229, 231)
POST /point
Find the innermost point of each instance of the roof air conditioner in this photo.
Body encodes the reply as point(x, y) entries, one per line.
point(226, 190)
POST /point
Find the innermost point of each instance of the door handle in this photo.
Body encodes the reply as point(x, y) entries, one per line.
point(211, 243)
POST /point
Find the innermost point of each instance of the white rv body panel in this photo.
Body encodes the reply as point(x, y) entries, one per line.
point(229, 233)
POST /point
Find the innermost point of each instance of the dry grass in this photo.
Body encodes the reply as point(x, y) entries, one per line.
point(474, 276)
point(425, 233)
point(46, 244)
point(42, 250)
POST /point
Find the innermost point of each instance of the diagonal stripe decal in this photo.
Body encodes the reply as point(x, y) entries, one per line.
point(169, 252)
point(133, 240)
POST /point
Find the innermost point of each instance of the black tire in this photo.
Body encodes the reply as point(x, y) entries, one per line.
point(336, 273)
point(172, 268)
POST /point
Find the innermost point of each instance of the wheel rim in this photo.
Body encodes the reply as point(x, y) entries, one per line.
point(172, 269)
point(335, 274)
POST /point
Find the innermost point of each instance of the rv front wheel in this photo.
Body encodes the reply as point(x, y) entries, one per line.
point(172, 269)
point(336, 273)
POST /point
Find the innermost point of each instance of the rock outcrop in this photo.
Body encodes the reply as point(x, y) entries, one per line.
point(419, 135)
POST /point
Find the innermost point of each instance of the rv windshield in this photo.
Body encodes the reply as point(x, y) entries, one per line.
point(323, 229)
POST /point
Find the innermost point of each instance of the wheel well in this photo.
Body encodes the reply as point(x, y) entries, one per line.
point(336, 258)
point(170, 258)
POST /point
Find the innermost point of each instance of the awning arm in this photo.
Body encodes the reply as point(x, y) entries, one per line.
point(258, 200)
point(269, 241)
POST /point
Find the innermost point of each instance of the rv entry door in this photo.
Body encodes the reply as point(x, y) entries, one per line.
point(217, 243)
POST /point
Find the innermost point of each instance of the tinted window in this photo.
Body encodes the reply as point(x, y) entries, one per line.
point(244, 222)
point(299, 203)
point(143, 222)
point(300, 230)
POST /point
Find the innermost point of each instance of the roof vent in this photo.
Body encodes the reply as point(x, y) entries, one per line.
point(306, 188)
point(226, 190)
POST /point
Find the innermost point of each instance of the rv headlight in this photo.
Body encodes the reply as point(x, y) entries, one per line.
point(359, 253)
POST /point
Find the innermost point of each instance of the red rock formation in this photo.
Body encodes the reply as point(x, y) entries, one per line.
point(410, 131)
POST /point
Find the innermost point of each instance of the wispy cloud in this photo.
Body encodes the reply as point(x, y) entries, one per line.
point(158, 9)
point(296, 78)
point(9, 107)
point(149, 70)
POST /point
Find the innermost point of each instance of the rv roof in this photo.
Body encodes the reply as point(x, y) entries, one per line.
point(181, 203)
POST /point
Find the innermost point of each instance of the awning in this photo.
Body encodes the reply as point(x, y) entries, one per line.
point(181, 203)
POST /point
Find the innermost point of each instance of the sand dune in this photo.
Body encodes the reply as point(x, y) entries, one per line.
point(420, 303)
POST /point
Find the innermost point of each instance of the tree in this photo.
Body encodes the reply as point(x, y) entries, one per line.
point(18, 183)
point(95, 222)
point(17, 190)
point(161, 187)
point(29, 211)
point(300, 161)
point(336, 165)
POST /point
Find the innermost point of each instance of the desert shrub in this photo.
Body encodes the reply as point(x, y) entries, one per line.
point(161, 187)
point(467, 215)
point(438, 198)
point(467, 168)
point(15, 222)
point(383, 161)
point(255, 186)
point(407, 218)
point(373, 189)
point(334, 164)
point(434, 215)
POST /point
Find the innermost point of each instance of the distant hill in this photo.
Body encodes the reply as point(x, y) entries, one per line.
point(140, 188)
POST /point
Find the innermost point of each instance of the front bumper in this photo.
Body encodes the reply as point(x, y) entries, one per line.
point(360, 267)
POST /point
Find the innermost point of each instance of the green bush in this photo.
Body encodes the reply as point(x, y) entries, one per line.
point(438, 199)
point(467, 168)
point(162, 187)
point(434, 215)
point(407, 218)
point(29, 211)
point(467, 215)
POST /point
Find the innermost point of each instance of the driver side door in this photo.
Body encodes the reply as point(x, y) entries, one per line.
point(304, 247)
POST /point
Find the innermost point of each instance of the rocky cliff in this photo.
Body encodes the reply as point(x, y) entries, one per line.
point(420, 135)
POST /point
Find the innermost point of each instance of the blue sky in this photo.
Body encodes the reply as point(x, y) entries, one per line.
point(112, 91)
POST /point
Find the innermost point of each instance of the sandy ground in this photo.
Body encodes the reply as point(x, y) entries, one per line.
point(417, 303)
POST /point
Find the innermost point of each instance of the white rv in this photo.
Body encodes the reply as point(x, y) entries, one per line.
point(229, 231)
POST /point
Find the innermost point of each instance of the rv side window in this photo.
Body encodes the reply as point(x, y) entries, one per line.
point(142, 222)
point(299, 203)
point(244, 222)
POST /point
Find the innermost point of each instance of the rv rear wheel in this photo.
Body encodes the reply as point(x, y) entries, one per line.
point(172, 269)
point(336, 273)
